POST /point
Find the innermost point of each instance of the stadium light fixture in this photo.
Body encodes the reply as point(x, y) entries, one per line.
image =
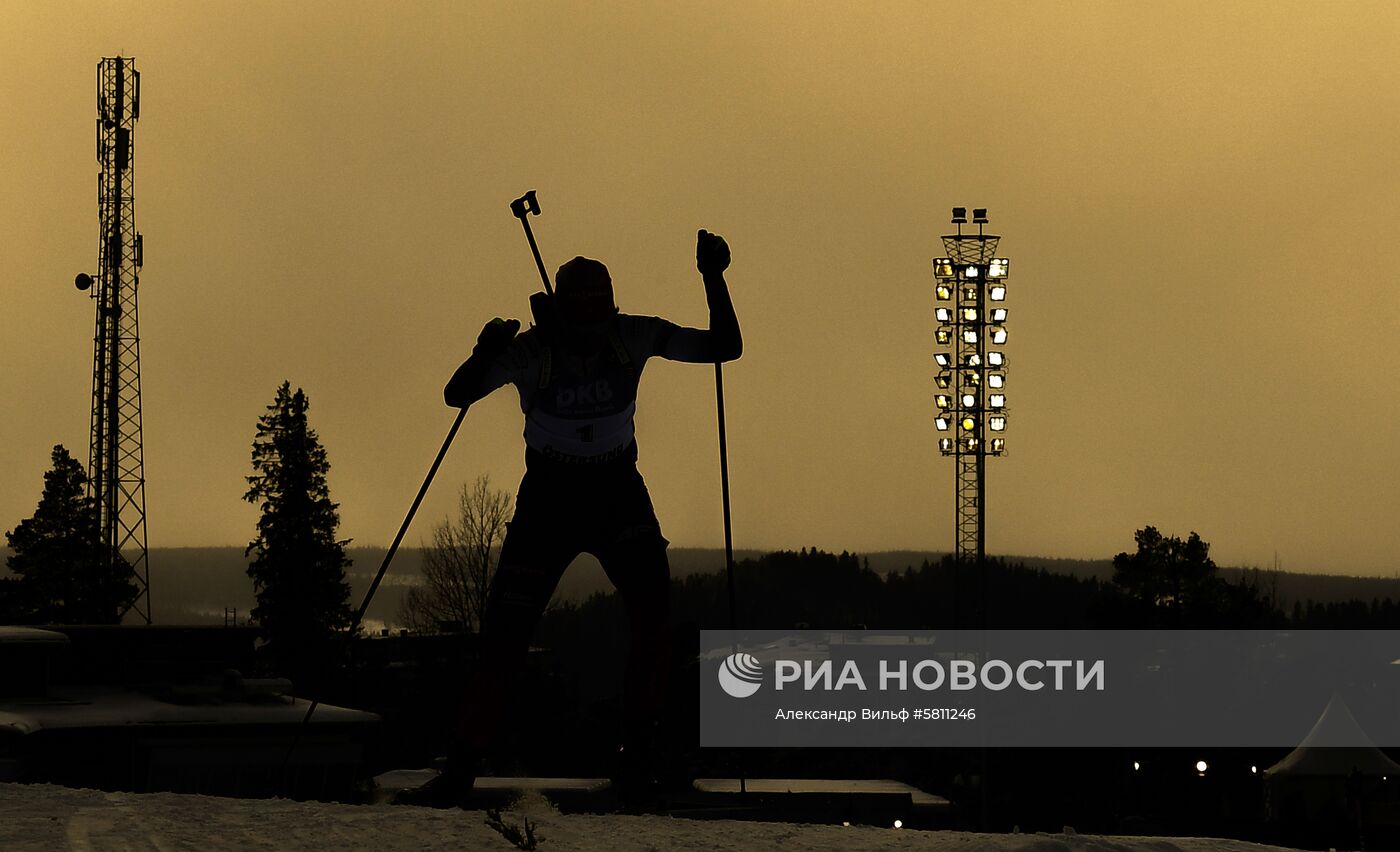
point(966, 277)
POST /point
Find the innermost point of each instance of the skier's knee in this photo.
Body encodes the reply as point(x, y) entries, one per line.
point(518, 594)
point(642, 544)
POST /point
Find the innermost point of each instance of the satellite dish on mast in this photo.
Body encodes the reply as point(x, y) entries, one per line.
point(83, 281)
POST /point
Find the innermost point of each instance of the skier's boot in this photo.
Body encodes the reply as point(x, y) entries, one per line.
point(451, 788)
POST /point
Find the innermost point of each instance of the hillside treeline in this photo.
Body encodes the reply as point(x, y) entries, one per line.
point(825, 591)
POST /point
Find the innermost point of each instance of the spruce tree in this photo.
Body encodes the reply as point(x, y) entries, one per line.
point(62, 575)
point(298, 565)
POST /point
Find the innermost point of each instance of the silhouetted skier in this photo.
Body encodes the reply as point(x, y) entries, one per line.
point(577, 371)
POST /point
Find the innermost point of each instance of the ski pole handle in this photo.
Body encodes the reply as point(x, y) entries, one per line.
point(522, 207)
point(525, 204)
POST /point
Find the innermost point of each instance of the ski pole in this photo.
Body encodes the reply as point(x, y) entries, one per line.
point(728, 527)
point(724, 493)
point(521, 207)
point(383, 568)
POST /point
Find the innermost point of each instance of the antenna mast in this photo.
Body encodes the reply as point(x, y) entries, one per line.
point(116, 475)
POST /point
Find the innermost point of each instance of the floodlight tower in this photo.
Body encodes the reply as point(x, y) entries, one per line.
point(116, 471)
point(971, 379)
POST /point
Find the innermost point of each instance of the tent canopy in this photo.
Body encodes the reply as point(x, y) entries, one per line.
point(1314, 756)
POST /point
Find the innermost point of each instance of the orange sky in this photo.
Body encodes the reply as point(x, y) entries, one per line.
point(1197, 200)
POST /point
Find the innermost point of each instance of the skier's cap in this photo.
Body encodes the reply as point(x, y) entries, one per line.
point(585, 291)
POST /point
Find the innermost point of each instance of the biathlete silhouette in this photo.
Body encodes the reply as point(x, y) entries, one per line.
point(577, 371)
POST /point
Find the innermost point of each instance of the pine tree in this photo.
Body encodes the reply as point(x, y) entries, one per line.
point(61, 575)
point(298, 569)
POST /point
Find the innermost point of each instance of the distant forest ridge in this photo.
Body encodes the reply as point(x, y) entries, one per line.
point(199, 584)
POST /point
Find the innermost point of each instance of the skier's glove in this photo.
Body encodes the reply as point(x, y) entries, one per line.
point(495, 337)
point(711, 253)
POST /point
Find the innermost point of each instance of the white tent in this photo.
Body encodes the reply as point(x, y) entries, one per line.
point(1319, 755)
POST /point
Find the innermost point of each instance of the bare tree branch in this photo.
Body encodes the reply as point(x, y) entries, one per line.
point(459, 564)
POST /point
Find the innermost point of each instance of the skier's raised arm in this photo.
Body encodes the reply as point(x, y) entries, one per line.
point(722, 341)
point(484, 370)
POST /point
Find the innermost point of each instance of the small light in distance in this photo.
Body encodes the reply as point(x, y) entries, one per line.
point(899, 823)
point(1201, 767)
point(1136, 766)
point(1254, 770)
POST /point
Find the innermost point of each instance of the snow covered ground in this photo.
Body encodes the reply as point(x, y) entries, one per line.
point(45, 817)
